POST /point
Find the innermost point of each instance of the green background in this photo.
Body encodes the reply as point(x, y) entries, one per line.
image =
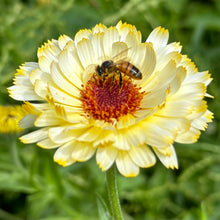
point(33, 187)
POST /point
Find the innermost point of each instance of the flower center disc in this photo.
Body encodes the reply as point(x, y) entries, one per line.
point(105, 100)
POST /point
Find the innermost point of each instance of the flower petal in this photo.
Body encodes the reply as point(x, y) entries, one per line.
point(63, 155)
point(85, 52)
point(167, 156)
point(125, 164)
point(159, 37)
point(105, 157)
point(70, 64)
point(82, 151)
point(64, 134)
point(111, 36)
point(142, 156)
point(62, 97)
point(47, 54)
point(47, 144)
point(62, 82)
point(63, 40)
point(48, 118)
point(35, 136)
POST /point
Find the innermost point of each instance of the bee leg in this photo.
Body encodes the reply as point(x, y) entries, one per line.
point(103, 79)
point(113, 80)
point(120, 80)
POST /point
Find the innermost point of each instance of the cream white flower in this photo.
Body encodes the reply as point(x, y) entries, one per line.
point(83, 114)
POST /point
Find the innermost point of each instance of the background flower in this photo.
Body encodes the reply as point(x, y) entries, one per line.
point(10, 117)
point(85, 113)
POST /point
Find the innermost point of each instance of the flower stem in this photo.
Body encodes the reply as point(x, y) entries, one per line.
point(113, 194)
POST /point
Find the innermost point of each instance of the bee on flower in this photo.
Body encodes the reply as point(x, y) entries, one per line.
point(108, 93)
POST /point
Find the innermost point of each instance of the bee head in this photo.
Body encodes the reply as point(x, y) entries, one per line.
point(99, 70)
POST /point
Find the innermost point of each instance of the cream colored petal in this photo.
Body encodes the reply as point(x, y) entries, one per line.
point(201, 122)
point(82, 34)
point(23, 93)
point(131, 40)
point(176, 83)
point(142, 156)
point(70, 65)
point(23, 89)
point(49, 49)
point(27, 121)
point(64, 134)
point(147, 66)
point(63, 97)
point(165, 58)
point(175, 46)
point(125, 165)
point(23, 73)
point(88, 73)
point(44, 64)
point(126, 121)
point(62, 82)
point(153, 98)
point(63, 40)
point(155, 135)
point(119, 51)
point(159, 37)
point(99, 28)
point(106, 137)
point(111, 36)
point(86, 53)
point(47, 54)
point(97, 43)
point(144, 113)
point(203, 77)
point(35, 136)
point(125, 138)
point(75, 117)
point(40, 81)
point(190, 91)
point(90, 135)
point(161, 78)
point(197, 110)
point(41, 88)
point(138, 55)
point(189, 65)
point(48, 118)
point(124, 29)
point(63, 155)
point(26, 68)
point(178, 108)
point(39, 74)
point(191, 136)
point(167, 157)
point(105, 157)
point(47, 144)
point(170, 51)
point(82, 151)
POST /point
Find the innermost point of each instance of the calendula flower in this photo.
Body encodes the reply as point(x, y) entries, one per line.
point(9, 118)
point(84, 108)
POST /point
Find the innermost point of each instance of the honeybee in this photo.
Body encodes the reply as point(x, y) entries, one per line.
point(125, 67)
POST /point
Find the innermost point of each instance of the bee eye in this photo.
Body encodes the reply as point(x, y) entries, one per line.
point(99, 70)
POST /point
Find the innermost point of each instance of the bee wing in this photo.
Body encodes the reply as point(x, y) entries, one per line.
point(121, 56)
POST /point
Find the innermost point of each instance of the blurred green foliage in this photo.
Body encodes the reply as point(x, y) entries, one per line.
point(33, 187)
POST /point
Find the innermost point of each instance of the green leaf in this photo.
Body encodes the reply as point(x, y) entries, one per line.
point(102, 208)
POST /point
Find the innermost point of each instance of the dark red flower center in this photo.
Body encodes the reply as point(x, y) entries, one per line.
point(105, 100)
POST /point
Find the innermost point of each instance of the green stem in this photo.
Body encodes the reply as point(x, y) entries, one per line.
point(113, 194)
